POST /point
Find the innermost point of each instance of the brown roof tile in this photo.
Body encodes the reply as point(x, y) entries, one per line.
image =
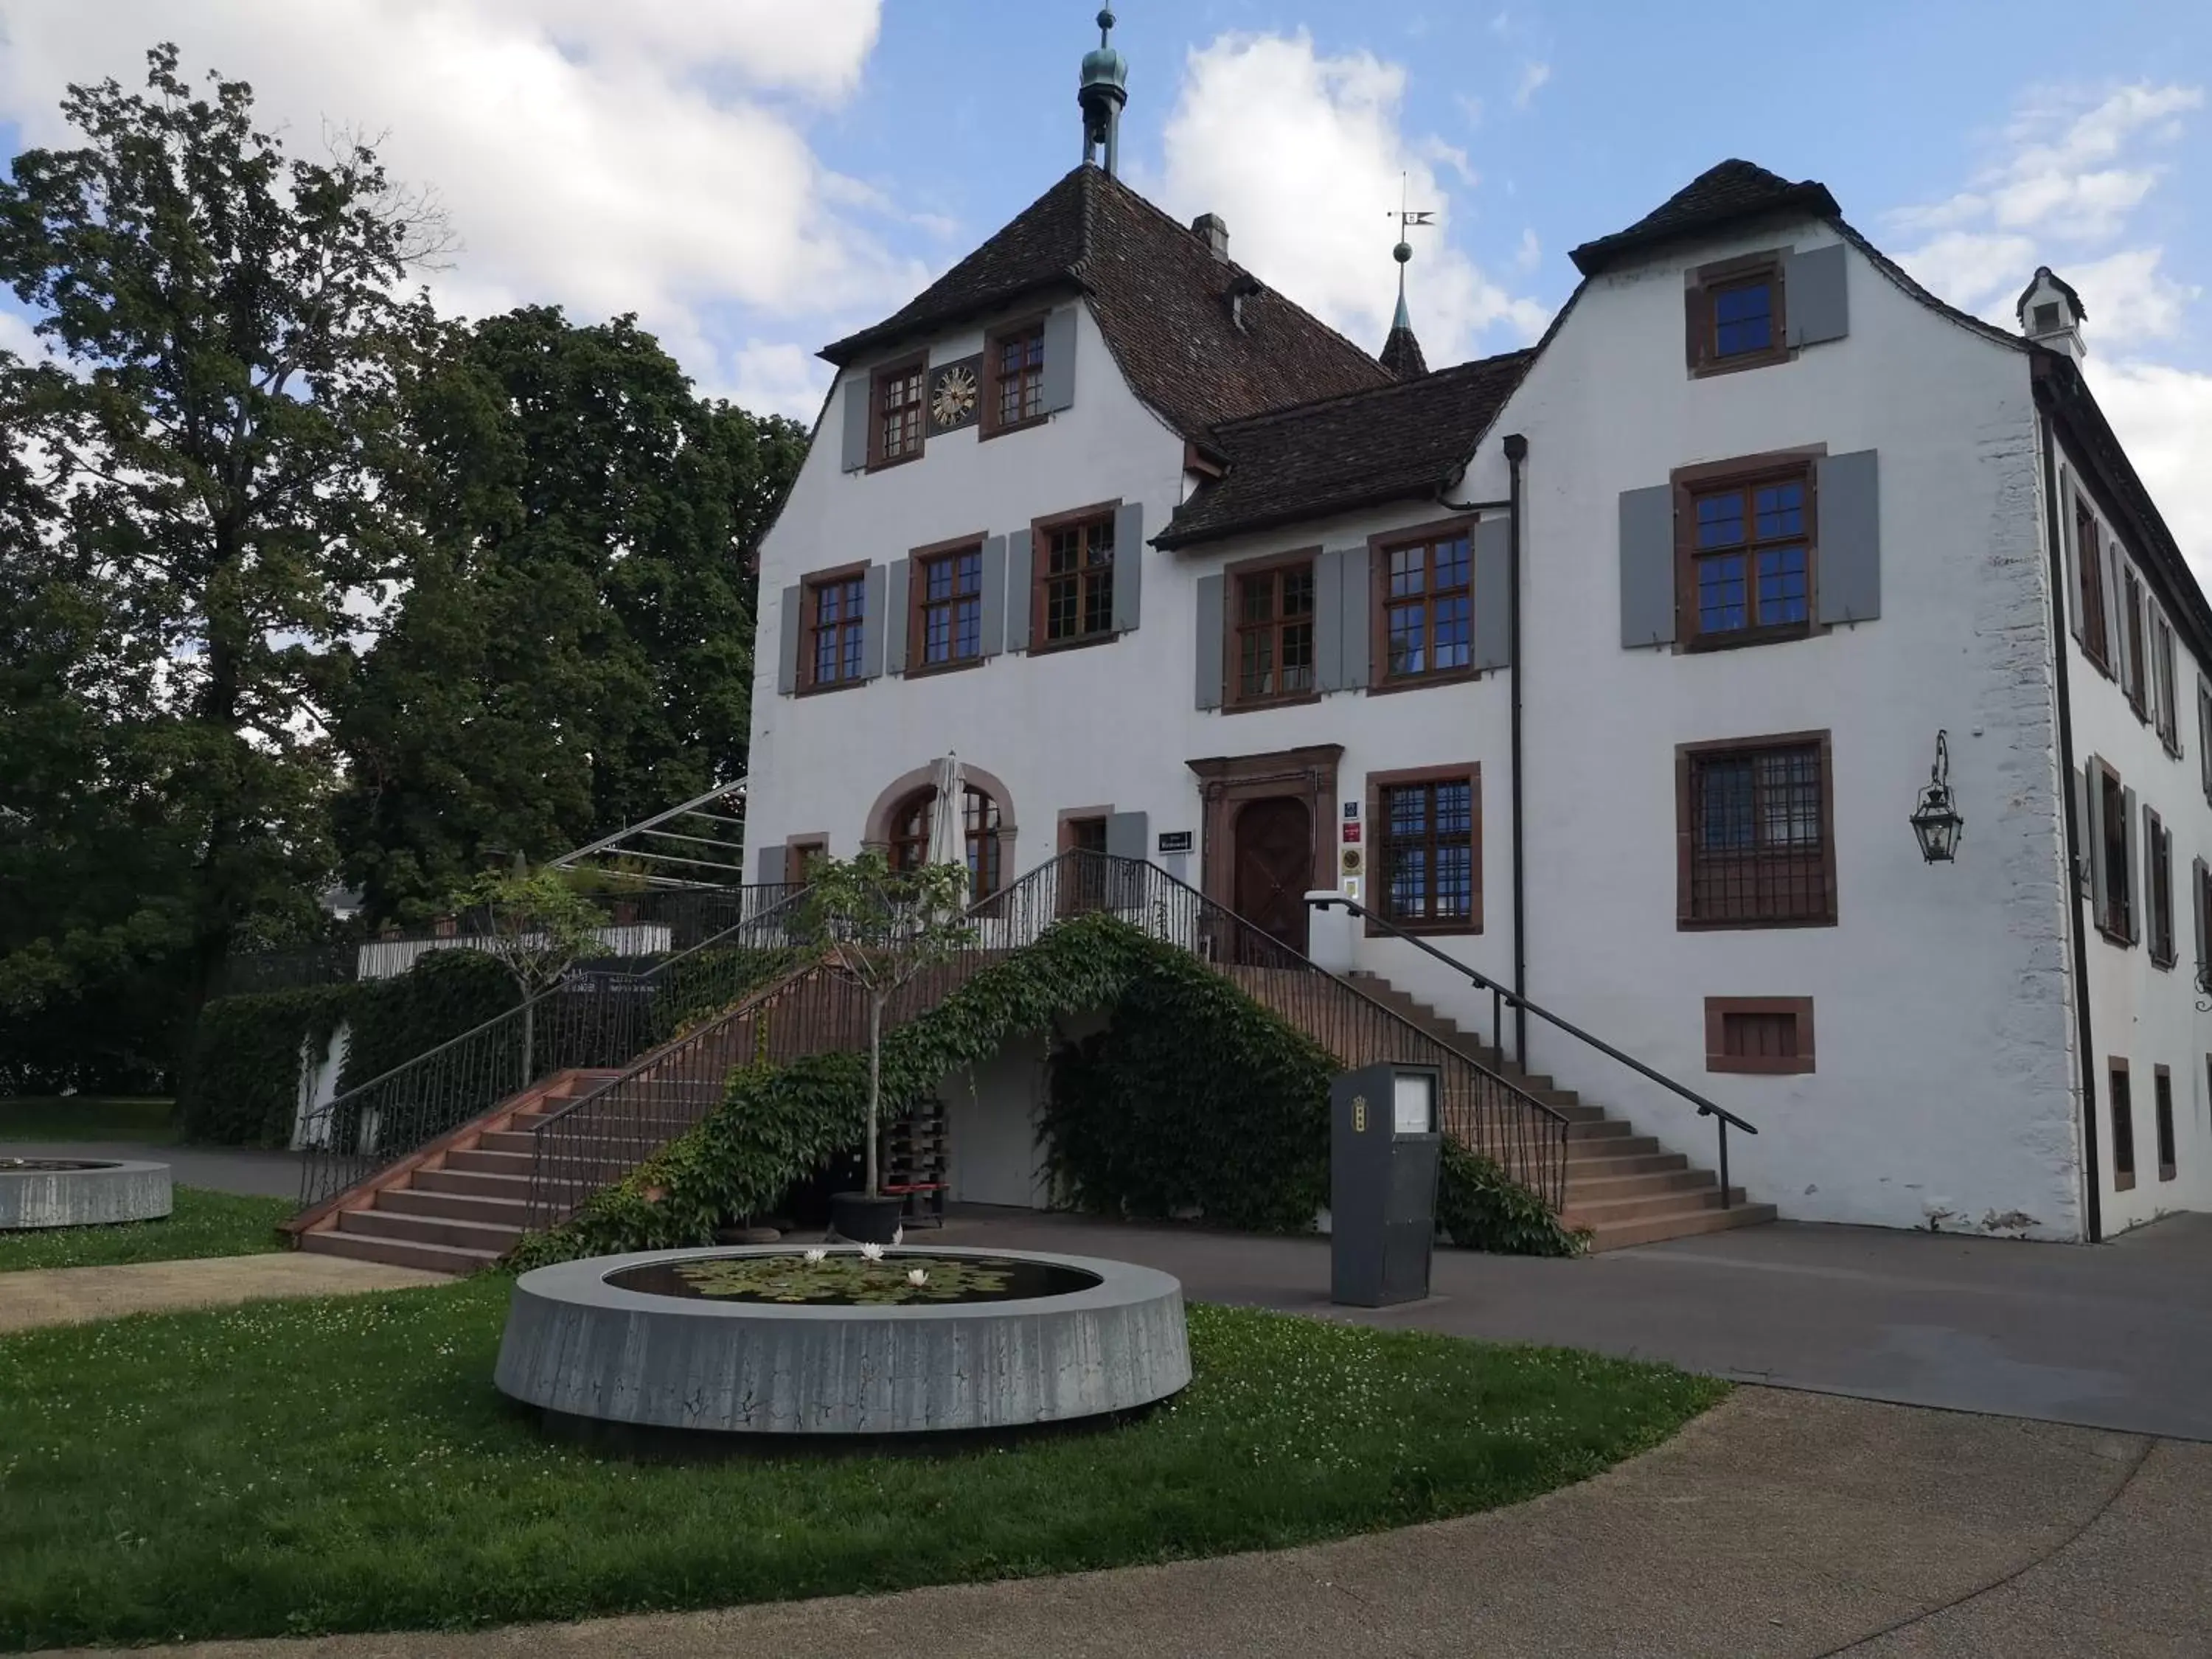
point(1733, 190)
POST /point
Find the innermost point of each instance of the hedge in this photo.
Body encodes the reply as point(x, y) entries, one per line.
point(1197, 1097)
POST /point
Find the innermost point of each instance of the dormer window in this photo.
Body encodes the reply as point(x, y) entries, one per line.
point(1014, 359)
point(1734, 314)
point(2047, 319)
point(898, 394)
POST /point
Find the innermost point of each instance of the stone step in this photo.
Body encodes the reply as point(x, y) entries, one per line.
point(1653, 1230)
point(398, 1252)
point(1583, 1189)
point(1582, 1148)
point(504, 1211)
point(1600, 1128)
point(1597, 1213)
point(507, 1140)
point(429, 1229)
point(475, 1181)
point(516, 1165)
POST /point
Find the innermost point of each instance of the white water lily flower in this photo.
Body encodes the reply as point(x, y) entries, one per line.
point(871, 1252)
point(917, 1276)
point(817, 1254)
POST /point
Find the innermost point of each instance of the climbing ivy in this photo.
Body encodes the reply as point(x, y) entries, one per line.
point(1195, 1099)
point(1481, 1207)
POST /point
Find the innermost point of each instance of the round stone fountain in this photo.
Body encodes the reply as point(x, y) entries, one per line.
point(777, 1341)
point(80, 1192)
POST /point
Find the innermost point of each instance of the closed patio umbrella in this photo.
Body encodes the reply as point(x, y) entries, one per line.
point(948, 837)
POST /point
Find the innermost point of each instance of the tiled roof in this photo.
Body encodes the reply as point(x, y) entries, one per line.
point(1403, 440)
point(1170, 312)
point(1401, 354)
point(1733, 190)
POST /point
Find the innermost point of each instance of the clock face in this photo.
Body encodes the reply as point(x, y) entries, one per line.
point(956, 396)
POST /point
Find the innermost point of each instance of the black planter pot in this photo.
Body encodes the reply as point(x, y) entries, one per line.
point(864, 1219)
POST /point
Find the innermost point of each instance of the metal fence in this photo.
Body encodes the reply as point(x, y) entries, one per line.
point(599, 1017)
point(593, 1141)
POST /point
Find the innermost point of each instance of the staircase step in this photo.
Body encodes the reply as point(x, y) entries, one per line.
point(1600, 1128)
point(507, 1140)
point(1597, 1213)
point(501, 1211)
point(398, 1252)
point(429, 1229)
point(1605, 1167)
point(1653, 1230)
point(515, 1164)
point(1580, 1147)
point(1583, 1189)
point(475, 1181)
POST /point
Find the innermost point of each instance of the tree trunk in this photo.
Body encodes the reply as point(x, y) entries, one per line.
point(875, 1085)
point(529, 1032)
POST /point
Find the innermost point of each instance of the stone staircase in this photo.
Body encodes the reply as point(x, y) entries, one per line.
point(1622, 1185)
point(456, 1205)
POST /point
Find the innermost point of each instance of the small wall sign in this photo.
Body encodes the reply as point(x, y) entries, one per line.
point(1177, 841)
point(1352, 809)
point(1352, 834)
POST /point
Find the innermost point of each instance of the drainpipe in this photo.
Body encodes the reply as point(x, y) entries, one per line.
point(2093, 1201)
point(1516, 454)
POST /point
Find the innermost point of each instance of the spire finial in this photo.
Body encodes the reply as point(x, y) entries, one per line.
point(1104, 89)
point(1422, 218)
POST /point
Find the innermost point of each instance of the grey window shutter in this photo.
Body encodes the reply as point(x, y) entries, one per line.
point(1060, 359)
point(1128, 564)
point(856, 424)
point(2197, 872)
point(2116, 617)
point(1493, 575)
point(1358, 571)
point(1328, 622)
point(787, 661)
point(992, 625)
point(1127, 835)
point(1018, 590)
point(894, 619)
point(1210, 624)
point(2133, 895)
point(872, 624)
point(2093, 820)
point(1647, 566)
point(2068, 538)
point(771, 867)
point(1815, 294)
point(1847, 504)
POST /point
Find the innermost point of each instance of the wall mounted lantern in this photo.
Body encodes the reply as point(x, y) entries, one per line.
point(1935, 821)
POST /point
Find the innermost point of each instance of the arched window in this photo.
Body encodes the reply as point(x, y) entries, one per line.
point(979, 814)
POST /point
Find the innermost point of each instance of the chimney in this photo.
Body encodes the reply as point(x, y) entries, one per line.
point(1212, 227)
point(2050, 314)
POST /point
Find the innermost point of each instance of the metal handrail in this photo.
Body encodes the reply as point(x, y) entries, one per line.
point(598, 1138)
point(1498, 994)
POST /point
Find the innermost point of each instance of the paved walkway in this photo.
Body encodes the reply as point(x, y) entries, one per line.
point(2115, 1336)
point(219, 1169)
point(1780, 1524)
point(77, 1295)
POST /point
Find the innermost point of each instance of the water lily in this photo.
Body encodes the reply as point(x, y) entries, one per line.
point(871, 1252)
point(917, 1276)
point(817, 1254)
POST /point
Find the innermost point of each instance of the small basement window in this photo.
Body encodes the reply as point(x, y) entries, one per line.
point(1764, 1035)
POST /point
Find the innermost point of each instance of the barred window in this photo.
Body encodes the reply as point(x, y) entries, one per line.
point(1427, 608)
point(2090, 567)
point(2159, 841)
point(1076, 581)
point(2131, 599)
point(950, 597)
point(1425, 853)
point(836, 625)
point(2162, 1081)
point(1274, 645)
point(1755, 832)
point(1759, 1035)
point(2123, 1126)
point(1016, 362)
point(899, 400)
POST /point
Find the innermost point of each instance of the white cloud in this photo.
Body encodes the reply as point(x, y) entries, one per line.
point(610, 159)
point(1302, 155)
point(1533, 77)
point(16, 336)
point(2163, 415)
point(1530, 252)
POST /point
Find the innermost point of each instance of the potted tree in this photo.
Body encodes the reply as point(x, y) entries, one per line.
point(878, 929)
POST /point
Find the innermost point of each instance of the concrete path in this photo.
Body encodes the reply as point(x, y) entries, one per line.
point(219, 1169)
point(1780, 1524)
point(2115, 1335)
point(77, 1295)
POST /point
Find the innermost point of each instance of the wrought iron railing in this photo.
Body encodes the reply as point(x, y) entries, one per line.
point(598, 1018)
point(591, 1142)
point(1501, 999)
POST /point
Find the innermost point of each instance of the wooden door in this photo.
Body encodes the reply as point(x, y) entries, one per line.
point(1274, 868)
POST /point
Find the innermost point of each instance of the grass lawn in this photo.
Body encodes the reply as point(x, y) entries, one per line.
point(86, 1117)
point(201, 1224)
point(346, 1464)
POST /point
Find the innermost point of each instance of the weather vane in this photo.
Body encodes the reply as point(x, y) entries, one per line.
point(1408, 219)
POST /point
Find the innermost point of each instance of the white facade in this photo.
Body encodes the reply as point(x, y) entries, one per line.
point(1945, 1086)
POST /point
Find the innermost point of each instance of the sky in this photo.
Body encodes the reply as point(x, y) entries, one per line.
point(756, 178)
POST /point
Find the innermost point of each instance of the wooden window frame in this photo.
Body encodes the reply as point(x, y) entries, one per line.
point(2089, 578)
point(917, 605)
point(1467, 772)
point(995, 835)
point(1717, 1058)
point(991, 425)
point(2137, 671)
point(1701, 336)
point(2165, 695)
point(811, 592)
point(2162, 1091)
point(1743, 473)
point(796, 850)
point(2158, 879)
point(1686, 754)
point(2115, 921)
point(1379, 547)
point(1233, 702)
point(879, 381)
point(2120, 1119)
point(1041, 533)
